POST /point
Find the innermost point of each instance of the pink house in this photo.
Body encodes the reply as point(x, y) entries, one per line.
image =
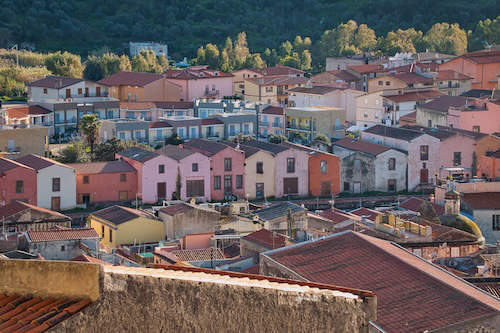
point(272, 121)
point(291, 168)
point(424, 159)
point(227, 168)
point(201, 82)
point(478, 115)
point(17, 182)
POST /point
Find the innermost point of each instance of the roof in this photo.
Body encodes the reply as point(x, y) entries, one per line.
point(19, 206)
point(137, 105)
point(315, 90)
point(199, 254)
point(402, 281)
point(482, 200)
point(393, 132)
point(7, 164)
point(495, 154)
point(138, 154)
point(21, 313)
point(268, 239)
point(362, 146)
point(255, 269)
point(483, 57)
point(281, 70)
point(276, 110)
point(267, 146)
point(490, 285)
point(414, 204)
point(39, 162)
point(365, 69)
point(61, 234)
point(335, 215)
point(54, 82)
point(194, 73)
point(370, 214)
point(343, 75)
point(177, 209)
point(102, 167)
point(180, 105)
point(475, 135)
point(440, 233)
point(123, 78)
point(449, 74)
point(175, 152)
point(211, 121)
point(438, 133)
point(478, 93)
point(409, 118)
point(205, 147)
point(443, 103)
point(277, 210)
point(86, 258)
point(278, 80)
point(411, 78)
point(25, 111)
point(159, 124)
point(415, 96)
point(119, 214)
point(248, 150)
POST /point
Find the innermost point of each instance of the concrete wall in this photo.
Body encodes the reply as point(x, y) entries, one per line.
point(436, 118)
point(248, 248)
point(301, 171)
point(8, 191)
point(252, 177)
point(26, 140)
point(56, 250)
point(191, 222)
point(67, 191)
point(106, 187)
point(369, 109)
point(203, 173)
point(383, 174)
point(484, 75)
point(482, 217)
point(161, 90)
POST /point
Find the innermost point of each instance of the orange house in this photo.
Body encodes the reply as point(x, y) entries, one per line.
point(490, 165)
point(483, 66)
point(114, 181)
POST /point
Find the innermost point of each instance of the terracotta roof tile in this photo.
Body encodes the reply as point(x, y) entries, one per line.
point(343, 75)
point(393, 132)
point(19, 206)
point(175, 152)
point(281, 70)
point(315, 90)
point(414, 204)
point(364, 69)
point(267, 146)
point(211, 121)
point(370, 214)
point(159, 124)
point(276, 110)
point(411, 78)
point(268, 239)
point(194, 73)
point(130, 79)
point(448, 74)
point(7, 164)
point(102, 167)
point(176, 209)
point(199, 254)
point(483, 57)
point(206, 147)
point(335, 215)
point(484, 200)
point(138, 154)
point(137, 105)
point(443, 103)
point(278, 80)
point(362, 146)
point(36, 236)
point(38, 162)
point(415, 96)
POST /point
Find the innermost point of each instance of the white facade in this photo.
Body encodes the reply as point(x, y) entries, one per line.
point(369, 109)
point(483, 218)
point(67, 188)
point(83, 91)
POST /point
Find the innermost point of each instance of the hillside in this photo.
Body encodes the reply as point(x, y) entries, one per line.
point(81, 26)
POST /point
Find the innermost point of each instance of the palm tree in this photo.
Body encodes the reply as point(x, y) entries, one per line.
point(90, 126)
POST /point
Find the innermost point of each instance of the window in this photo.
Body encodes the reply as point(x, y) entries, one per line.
point(323, 166)
point(56, 184)
point(476, 129)
point(195, 188)
point(217, 183)
point(380, 83)
point(387, 83)
point(269, 89)
point(19, 186)
point(260, 167)
point(123, 195)
point(239, 181)
point(80, 91)
point(290, 165)
point(63, 248)
point(85, 179)
point(392, 163)
point(424, 153)
point(290, 186)
point(457, 158)
point(429, 123)
point(45, 91)
point(495, 222)
point(161, 168)
point(346, 187)
point(228, 183)
point(227, 164)
point(110, 235)
point(123, 177)
point(102, 231)
point(194, 167)
point(357, 165)
point(391, 185)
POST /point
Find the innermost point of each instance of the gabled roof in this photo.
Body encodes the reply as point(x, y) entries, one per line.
point(315, 90)
point(362, 146)
point(277, 210)
point(123, 78)
point(365, 69)
point(119, 214)
point(393, 132)
point(415, 96)
point(175, 152)
point(25, 111)
point(276, 110)
point(19, 206)
point(138, 154)
point(195, 73)
point(278, 80)
point(38, 162)
point(370, 214)
point(414, 204)
point(281, 70)
point(343, 75)
point(7, 164)
point(411, 78)
point(438, 133)
point(443, 103)
point(413, 295)
point(61, 234)
point(335, 215)
point(102, 167)
point(206, 147)
point(483, 57)
point(249, 150)
point(482, 200)
point(449, 74)
point(180, 208)
point(475, 135)
point(199, 254)
point(269, 239)
point(211, 121)
point(54, 82)
point(159, 124)
point(137, 105)
point(181, 105)
point(267, 146)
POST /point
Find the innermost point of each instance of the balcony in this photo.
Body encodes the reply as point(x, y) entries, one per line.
point(264, 123)
point(277, 125)
point(211, 92)
point(290, 126)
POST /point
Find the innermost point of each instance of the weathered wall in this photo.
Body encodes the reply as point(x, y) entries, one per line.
point(150, 304)
point(191, 222)
point(57, 250)
point(49, 278)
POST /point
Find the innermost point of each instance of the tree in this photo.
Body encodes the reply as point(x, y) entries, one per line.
point(241, 50)
point(146, 61)
point(271, 57)
point(323, 138)
point(409, 40)
point(94, 69)
point(200, 56)
point(174, 139)
point(306, 61)
point(286, 49)
point(212, 56)
point(106, 151)
point(292, 60)
point(277, 139)
point(64, 64)
point(486, 33)
point(89, 126)
point(298, 44)
point(365, 38)
point(178, 184)
point(255, 61)
point(446, 38)
point(74, 153)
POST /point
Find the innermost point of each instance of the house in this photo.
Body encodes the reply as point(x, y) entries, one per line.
point(337, 217)
point(175, 108)
point(200, 82)
point(61, 243)
point(54, 88)
point(226, 168)
point(19, 216)
point(118, 225)
point(366, 213)
point(336, 78)
point(271, 121)
point(482, 66)
point(238, 123)
point(281, 70)
point(413, 295)
point(396, 83)
point(156, 174)
point(423, 151)
point(19, 141)
point(212, 129)
point(485, 210)
point(323, 169)
point(325, 96)
point(17, 182)
point(56, 182)
point(259, 173)
point(367, 166)
point(141, 87)
point(417, 205)
point(285, 217)
point(193, 168)
point(261, 241)
point(291, 168)
point(185, 127)
point(370, 110)
point(104, 182)
point(139, 110)
point(489, 166)
point(184, 218)
point(435, 112)
point(403, 104)
point(272, 89)
point(125, 129)
point(477, 115)
point(341, 63)
point(453, 83)
point(208, 108)
point(29, 116)
point(303, 124)
point(364, 73)
point(239, 79)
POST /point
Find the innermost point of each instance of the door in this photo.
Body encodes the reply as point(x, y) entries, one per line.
point(55, 203)
point(68, 93)
point(123, 195)
point(326, 189)
point(86, 198)
point(356, 187)
point(86, 92)
point(290, 186)
point(228, 184)
point(259, 190)
point(424, 176)
point(98, 91)
point(161, 191)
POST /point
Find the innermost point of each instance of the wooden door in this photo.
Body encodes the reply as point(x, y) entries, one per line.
point(161, 191)
point(259, 190)
point(55, 203)
point(98, 91)
point(86, 92)
point(291, 185)
point(424, 176)
point(68, 93)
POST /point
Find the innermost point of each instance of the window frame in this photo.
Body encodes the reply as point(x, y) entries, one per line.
point(56, 184)
point(391, 164)
point(290, 164)
point(424, 152)
point(228, 164)
point(217, 182)
point(161, 168)
point(259, 168)
point(20, 182)
point(194, 167)
point(323, 167)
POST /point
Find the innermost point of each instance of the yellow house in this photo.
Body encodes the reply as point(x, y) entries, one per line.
point(118, 225)
point(239, 79)
point(272, 89)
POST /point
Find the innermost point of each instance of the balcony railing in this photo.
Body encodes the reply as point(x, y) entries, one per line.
point(277, 125)
point(264, 123)
point(211, 92)
point(102, 94)
point(299, 127)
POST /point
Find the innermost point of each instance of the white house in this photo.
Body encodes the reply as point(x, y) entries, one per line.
point(370, 110)
point(53, 89)
point(56, 182)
